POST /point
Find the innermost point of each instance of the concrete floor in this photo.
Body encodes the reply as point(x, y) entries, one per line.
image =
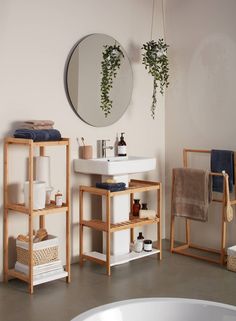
point(174, 276)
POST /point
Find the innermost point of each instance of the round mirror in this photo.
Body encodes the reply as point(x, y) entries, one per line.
point(83, 81)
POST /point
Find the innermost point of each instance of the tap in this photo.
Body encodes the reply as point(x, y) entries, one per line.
point(104, 148)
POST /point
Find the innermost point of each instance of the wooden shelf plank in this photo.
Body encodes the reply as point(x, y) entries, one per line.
point(15, 274)
point(95, 224)
point(49, 209)
point(135, 186)
point(21, 141)
point(134, 222)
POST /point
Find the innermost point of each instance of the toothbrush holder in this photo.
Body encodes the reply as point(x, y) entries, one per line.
point(86, 151)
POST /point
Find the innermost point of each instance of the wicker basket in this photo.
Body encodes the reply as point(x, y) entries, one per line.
point(43, 252)
point(231, 258)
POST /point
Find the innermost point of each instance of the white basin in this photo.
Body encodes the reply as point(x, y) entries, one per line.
point(114, 165)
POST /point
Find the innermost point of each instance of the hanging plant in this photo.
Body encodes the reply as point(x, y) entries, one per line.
point(156, 62)
point(110, 64)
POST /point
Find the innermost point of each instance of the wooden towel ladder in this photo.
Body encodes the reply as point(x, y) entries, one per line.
point(181, 249)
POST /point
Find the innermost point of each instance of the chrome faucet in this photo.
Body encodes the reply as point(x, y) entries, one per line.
point(104, 147)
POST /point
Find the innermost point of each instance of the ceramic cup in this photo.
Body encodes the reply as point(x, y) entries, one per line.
point(86, 152)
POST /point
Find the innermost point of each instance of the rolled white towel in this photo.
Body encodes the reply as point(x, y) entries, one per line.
point(147, 214)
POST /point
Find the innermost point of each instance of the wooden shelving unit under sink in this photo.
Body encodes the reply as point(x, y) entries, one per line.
point(135, 186)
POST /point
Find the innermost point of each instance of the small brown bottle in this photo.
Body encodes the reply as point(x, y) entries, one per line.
point(122, 148)
point(58, 199)
point(136, 207)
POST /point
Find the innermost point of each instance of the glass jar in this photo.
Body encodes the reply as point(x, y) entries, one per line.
point(144, 206)
point(147, 245)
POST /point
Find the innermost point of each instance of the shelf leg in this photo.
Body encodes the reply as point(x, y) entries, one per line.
point(187, 231)
point(30, 254)
point(30, 222)
point(42, 217)
point(223, 227)
point(81, 228)
point(159, 225)
point(5, 245)
point(5, 218)
point(68, 249)
point(172, 217)
point(131, 235)
point(41, 221)
point(131, 210)
point(108, 236)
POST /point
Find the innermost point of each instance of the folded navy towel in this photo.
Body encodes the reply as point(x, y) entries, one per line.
point(113, 187)
point(222, 160)
point(38, 135)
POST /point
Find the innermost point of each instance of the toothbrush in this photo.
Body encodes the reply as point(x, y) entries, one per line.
point(82, 139)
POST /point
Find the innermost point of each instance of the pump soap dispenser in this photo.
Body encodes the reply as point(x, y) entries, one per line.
point(122, 148)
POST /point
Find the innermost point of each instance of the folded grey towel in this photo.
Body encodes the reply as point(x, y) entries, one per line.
point(191, 193)
point(40, 122)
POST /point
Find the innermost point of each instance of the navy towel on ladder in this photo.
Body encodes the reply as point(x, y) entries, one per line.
point(222, 160)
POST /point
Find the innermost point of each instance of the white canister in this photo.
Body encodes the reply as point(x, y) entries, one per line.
point(39, 194)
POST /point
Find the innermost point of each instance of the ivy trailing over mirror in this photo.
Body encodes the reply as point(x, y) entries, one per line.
point(156, 62)
point(111, 62)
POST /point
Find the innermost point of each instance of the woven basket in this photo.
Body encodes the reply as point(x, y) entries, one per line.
point(43, 252)
point(231, 263)
point(39, 257)
point(231, 258)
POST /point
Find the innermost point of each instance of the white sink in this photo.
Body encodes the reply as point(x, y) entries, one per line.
point(114, 165)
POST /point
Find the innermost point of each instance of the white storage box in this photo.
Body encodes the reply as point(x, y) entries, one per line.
point(231, 258)
point(43, 252)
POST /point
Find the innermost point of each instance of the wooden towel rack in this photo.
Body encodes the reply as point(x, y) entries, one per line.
point(181, 249)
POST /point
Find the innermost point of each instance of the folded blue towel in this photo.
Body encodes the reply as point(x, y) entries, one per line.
point(112, 187)
point(222, 160)
point(38, 135)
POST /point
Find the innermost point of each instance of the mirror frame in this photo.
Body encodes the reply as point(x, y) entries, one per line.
point(66, 71)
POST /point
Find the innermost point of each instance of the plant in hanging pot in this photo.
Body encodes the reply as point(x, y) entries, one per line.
point(156, 62)
point(110, 64)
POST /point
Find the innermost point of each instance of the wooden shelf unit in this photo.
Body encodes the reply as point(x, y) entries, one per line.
point(135, 186)
point(21, 209)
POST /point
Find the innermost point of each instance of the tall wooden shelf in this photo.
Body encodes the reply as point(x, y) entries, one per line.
point(135, 186)
point(21, 209)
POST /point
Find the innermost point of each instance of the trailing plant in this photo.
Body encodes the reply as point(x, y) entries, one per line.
point(110, 64)
point(156, 62)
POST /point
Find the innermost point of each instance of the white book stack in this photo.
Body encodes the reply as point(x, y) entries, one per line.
point(44, 272)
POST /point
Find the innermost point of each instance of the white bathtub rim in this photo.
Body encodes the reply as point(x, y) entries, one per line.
point(83, 316)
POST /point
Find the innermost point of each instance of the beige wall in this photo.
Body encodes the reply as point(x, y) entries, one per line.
point(201, 100)
point(36, 37)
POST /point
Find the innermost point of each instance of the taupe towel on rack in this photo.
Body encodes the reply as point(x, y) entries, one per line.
point(191, 193)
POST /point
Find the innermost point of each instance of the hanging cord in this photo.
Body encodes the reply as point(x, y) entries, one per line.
point(152, 19)
point(163, 20)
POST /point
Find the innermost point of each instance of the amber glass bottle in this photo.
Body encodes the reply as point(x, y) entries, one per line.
point(122, 148)
point(136, 207)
